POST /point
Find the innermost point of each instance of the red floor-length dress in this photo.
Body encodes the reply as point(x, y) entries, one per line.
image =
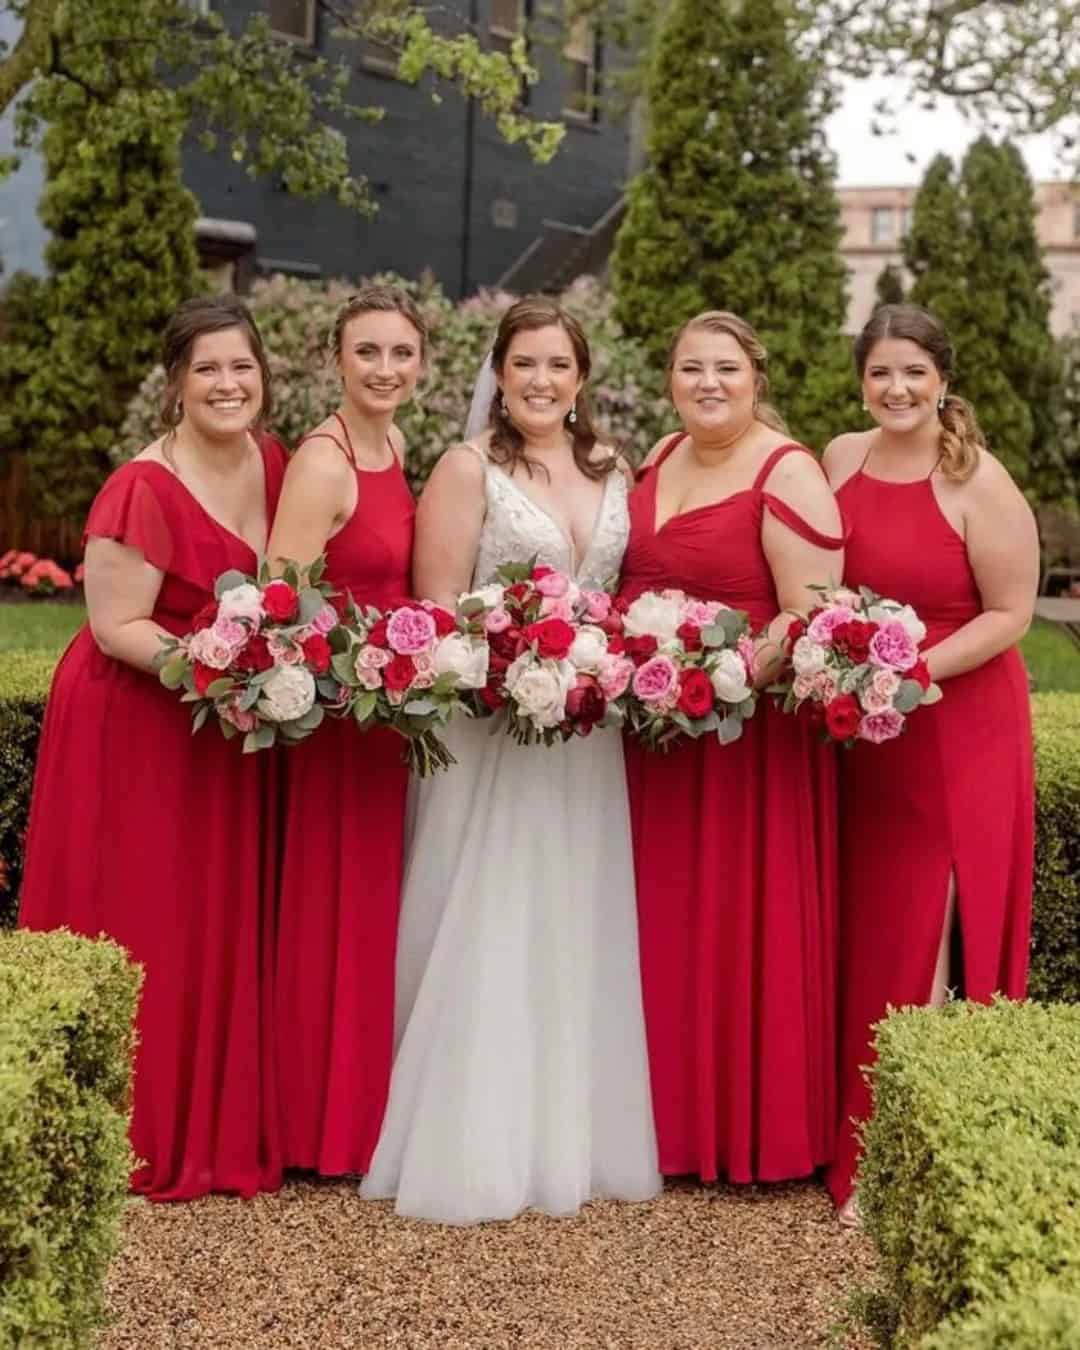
point(735, 862)
point(954, 793)
point(341, 877)
point(163, 841)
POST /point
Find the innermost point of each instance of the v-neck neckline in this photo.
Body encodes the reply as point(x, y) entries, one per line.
point(577, 565)
point(209, 514)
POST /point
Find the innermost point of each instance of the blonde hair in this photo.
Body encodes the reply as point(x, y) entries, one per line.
point(723, 321)
point(961, 436)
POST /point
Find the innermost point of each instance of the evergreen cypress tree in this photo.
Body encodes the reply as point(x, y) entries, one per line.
point(935, 247)
point(736, 209)
point(889, 288)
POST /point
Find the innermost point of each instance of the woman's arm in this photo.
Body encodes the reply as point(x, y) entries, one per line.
point(1003, 549)
point(315, 501)
point(121, 590)
point(449, 518)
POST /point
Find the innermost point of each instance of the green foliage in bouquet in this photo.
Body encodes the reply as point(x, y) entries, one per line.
point(67, 1006)
point(970, 1185)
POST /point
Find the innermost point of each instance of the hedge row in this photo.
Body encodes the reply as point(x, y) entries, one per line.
point(24, 683)
point(971, 1181)
point(66, 1010)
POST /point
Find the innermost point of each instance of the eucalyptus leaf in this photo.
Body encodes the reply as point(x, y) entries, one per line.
point(291, 575)
point(219, 688)
point(227, 581)
point(419, 707)
point(729, 731)
point(248, 698)
point(317, 570)
point(468, 609)
point(908, 697)
point(199, 720)
point(172, 672)
point(311, 602)
point(364, 706)
point(344, 667)
point(747, 707)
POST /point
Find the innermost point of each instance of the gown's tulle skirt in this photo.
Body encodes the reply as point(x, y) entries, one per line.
point(521, 1074)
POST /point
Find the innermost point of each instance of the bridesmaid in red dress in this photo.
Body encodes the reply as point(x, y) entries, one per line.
point(140, 830)
point(937, 827)
point(734, 846)
point(345, 495)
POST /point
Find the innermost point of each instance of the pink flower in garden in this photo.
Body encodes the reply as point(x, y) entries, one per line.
point(893, 647)
point(410, 630)
point(822, 626)
point(881, 726)
point(656, 681)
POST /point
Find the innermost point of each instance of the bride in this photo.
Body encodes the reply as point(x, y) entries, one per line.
point(521, 1076)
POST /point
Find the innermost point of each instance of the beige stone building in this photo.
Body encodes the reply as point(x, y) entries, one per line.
point(876, 219)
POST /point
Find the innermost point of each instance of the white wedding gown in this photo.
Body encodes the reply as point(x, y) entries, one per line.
point(521, 1076)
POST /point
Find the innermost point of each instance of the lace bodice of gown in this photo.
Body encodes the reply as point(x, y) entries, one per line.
point(516, 529)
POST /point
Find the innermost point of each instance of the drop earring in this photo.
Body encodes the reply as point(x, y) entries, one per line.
point(941, 404)
point(502, 405)
point(571, 416)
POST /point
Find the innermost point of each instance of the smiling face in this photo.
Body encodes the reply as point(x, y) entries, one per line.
point(901, 386)
point(222, 388)
point(380, 360)
point(713, 385)
point(540, 379)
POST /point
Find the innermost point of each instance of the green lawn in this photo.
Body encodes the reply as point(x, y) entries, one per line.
point(1052, 657)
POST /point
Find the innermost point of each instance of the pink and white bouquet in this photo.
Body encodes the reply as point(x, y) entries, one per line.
point(693, 668)
point(854, 665)
point(556, 667)
point(408, 667)
point(259, 657)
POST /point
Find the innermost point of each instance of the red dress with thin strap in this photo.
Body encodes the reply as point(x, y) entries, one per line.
point(952, 794)
point(162, 840)
point(734, 858)
point(341, 877)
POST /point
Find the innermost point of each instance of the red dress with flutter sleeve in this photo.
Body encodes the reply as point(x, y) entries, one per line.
point(162, 841)
point(734, 850)
point(341, 877)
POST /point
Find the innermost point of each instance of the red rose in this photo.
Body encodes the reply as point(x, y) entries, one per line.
point(613, 624)
point(491, 697)
point(444, 620)
point(280, 601)
point(616, 645)
point(689, 634)
point(639, 649)
point(254, 655)
point(520, 590)
point(377, 636)
point(842, 717)
point(400, 672)
point(620, 604)
point(796, 628)
point(695, 693)
point(205, 617)
point(553, 637)
point(316, 651)
point(585, 702)
point(339, 602)
point(204, 677)
point(541, 570)
point(919, 672)
point(506, 644)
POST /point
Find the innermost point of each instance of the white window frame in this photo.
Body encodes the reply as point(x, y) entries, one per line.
point(881, 214)
point(590, 111)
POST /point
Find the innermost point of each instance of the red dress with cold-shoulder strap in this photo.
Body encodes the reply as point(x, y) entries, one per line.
point(953, 794)
point(341, 874)
point(163, 841)
point(734, 850)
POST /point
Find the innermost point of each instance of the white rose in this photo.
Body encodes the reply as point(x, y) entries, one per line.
point(728, 675)
point(241, 602)
point(288, 694)
point(456, 655)
point(891, 612)
point(540, 690)
point(654, 615)
point(808, 656)
point(489, 596)
point(589, 649)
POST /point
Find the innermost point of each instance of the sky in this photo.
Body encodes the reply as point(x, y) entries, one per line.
point(866, 160)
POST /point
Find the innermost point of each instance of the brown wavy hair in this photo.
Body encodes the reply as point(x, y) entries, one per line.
point(193, 319)
point(507, 446)
point(384, 300)
point(723, 321)
point(961, 436)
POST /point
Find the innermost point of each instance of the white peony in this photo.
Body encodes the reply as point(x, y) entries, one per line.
point(540, 690)
point(456, 655)
point(589, 649)
point(728, 676)
point(655, 615)
point(489, 596)
point(890, 612)
point(808, 656)
point(288, 693)
point(241, 602)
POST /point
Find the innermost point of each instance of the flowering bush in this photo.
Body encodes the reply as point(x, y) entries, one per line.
point(296, 320)
point(36, 576)
point(854, 664)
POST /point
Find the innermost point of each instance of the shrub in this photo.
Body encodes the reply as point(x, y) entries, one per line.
point(296, 319)
point(66, 1011)
point(1045, 1319)
point(24, 683)
point(1055, 939)
point(970, 1185)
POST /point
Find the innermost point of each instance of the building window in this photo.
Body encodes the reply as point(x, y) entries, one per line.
point(907, 215)
point(508, 20)
point(582, 57)
point(293, 19)
point(882, 225)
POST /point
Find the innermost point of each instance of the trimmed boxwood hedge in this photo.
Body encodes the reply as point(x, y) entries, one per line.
point(24, 683)
point(1048, 1319)
point(66, 1011)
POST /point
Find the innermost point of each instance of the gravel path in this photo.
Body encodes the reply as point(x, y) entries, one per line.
point(315, 1268)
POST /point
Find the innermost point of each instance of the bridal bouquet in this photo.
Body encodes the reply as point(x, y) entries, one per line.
point(555, 665)
point(259, 657)
point(854, 664)
point(408, 667)
point(693, 664)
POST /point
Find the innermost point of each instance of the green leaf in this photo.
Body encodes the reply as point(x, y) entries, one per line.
point(172, 672)
point(908, 697)
point(729, 731)
point(419, 707)
point(199, 719)
point(364, 706)
point(343, 664)
point(311, 602)
point(228, 580)
point(219, 688)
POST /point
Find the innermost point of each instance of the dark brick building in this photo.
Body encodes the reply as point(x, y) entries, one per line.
point(453, 197)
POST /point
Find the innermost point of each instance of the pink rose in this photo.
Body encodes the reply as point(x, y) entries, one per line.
point(886, 682)
point(497, 620)
point(230, 712)
point(821, 627)
point(424, 663)
point(284, 651)
point(657, 680)
point(372, 658)
point(614, 674)
point(825, 687)
point(802, 686)
point(745, 647)
point(409, 631)
point(557, 607)
point(873, 700)
point(325, 620)
point(597, 605)
point(892, 646)
point(368, 677)
point(229, 631)
point(553, 584)
point(880, 726)
point(208, 649)
point(423, 679)
point(701, 613)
